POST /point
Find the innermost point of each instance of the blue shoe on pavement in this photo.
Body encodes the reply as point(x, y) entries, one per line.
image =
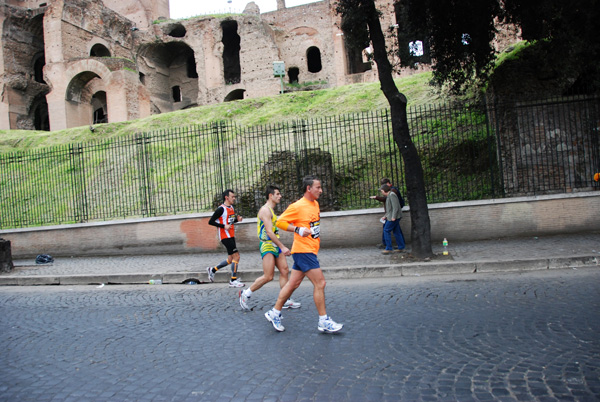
point(275, 319)
point(329, 326)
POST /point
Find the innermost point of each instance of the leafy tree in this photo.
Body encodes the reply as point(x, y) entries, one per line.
point(460, 35)
point(361, 26)
point(566, 32)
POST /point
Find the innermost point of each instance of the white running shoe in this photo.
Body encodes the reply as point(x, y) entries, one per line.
point(244, 301)
point(236, 284)
point(292, 304)
point(211, 274)
point(275, 320)
point(329, 326)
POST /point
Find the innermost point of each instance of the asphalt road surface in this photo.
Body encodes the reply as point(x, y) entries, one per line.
point(531, 336)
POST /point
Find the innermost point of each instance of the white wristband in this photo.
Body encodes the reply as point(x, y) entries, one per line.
point(300, 230)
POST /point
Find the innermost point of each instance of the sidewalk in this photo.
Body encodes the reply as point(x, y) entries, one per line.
point(515, 254)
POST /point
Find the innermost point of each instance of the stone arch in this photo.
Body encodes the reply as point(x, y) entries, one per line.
point(79, 76)
point(232, 69)
point(176, 30)
point(236, 94)
point(99, 47)
point(313, 59)
point(99, 50)
point(165, 66)
point(39, 113)
point(99, 108)
point(23, 63)
point(78, 85)
point(87, 77)
point(38, 62)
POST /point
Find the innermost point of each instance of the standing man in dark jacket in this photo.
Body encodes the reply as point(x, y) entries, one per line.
point(382, 198)
point(393, 214)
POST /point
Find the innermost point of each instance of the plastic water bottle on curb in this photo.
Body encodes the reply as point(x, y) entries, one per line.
point(155, 281)
point(445, 244)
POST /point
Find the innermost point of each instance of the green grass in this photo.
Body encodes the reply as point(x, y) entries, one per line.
point(248, 112)
point(108, 180)
point(513, 52)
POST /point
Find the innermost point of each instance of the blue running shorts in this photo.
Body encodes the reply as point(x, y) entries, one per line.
point(305, 261)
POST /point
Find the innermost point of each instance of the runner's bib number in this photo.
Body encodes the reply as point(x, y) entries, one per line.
point(315, 229)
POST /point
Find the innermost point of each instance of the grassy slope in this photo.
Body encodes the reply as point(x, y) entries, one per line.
point(249, 112)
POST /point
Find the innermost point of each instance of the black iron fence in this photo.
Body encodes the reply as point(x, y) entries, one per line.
point(467, 153)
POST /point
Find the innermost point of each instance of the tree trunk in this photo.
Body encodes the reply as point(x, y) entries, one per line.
point(6, 263)
point(413, 170)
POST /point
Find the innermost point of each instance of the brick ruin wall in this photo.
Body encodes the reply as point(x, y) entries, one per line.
point(171, 65)
point(178, 64)
point(548, 145)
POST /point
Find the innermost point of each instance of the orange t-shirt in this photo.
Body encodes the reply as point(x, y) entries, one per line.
point(305, 214)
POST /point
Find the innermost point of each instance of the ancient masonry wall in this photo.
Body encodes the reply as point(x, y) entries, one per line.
point(46, 83)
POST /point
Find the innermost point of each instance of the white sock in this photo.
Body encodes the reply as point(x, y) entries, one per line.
point(278, 312)
point(322, 317)
point(248, 292)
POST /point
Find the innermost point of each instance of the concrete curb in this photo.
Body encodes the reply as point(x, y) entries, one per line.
point(347, 272)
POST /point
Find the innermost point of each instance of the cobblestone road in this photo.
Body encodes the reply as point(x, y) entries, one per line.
point(481, 337)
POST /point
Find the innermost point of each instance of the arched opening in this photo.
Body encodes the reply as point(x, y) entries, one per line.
point(355, 60)
point(78, 84)
point(176, 91)
point(23, 56)
point(232, 70)
point(176, 31)
point(82, 98)
point(293, 73)
point(99, 108)
point(39, 109)
point(191, 67)
point(99, 50)
point(236, 94)
point(164, 66)
point(313, 59)
point(39, 61)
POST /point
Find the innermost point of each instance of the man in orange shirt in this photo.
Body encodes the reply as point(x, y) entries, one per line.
point(303, 217)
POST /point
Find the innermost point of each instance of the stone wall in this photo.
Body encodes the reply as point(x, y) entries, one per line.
point(459, 221)
point(549, 144)
point(179, 64)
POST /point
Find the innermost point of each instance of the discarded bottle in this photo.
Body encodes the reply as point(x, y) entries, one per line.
point(445, 244)
point(155, 281)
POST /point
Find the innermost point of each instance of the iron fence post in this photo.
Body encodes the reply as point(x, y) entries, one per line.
point(80, 209)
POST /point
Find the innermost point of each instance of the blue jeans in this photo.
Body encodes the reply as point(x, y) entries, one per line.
point(393, 227)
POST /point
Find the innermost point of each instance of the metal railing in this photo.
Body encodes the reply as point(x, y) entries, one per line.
point(467, 153)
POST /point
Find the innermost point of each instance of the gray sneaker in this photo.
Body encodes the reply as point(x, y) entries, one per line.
point(244, 301)
point(275, 319)
point(329, 326)
point(211, 274)
point(292, 304)
point(236, 283)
